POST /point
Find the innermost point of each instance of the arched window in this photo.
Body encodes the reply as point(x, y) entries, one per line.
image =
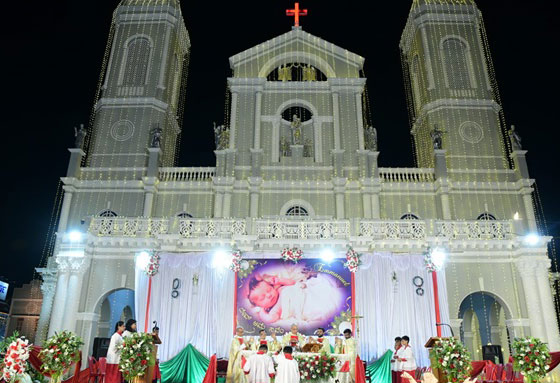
point(107, 213)
point(409, 216)
point(296, 72)
point(184, 215)
point(486, 217)
point(297, 211)
point(137, 61)
point(455, 62)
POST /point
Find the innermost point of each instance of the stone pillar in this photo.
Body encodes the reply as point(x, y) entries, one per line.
point(218, 204)
point(339, 189)
point(78, 267)
point(526, 267)
point(547, 305)
point(254, 193)
point(516, 327)
point(48, 288)
point(367, 192)
point(520, 163)
point(529, 209)
point(468, 337)
point(227, 204)
point(233, 119)
point(148, 201)
point(75, 162)
point(59, 302)
point(65, 209)
point(360, 120)
point(336, 120)
point(257, 136)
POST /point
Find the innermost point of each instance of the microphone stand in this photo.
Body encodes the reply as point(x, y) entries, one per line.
point(445, 324)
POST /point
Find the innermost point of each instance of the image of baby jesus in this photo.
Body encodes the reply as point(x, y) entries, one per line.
point(264, 292)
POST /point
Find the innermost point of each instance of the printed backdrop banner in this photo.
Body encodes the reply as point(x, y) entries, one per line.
point(273, 294)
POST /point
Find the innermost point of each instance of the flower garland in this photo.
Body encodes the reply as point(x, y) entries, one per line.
point(15, 360)
point(531, 357)
point(451, 356)
point(59, 352)
point(430, 266)
point(292, 254)
point(136, 353)
point(353, 260)
point(235, 261)
point(317, 367)
point(153, 266)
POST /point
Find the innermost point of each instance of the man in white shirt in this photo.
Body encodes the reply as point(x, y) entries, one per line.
point(259, 367)
point(405, 357)
point(288, 369)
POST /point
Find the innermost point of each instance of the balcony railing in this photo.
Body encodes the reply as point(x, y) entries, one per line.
point(186, 174)
point(304, 229)
point(407, 174)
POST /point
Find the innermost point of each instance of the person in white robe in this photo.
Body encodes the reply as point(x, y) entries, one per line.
point(234, 369)
point(406, 358)
point(322, 340)
point(130, 328)
point(288, 369)
point(273, 345)
point(112, 372)
point(395, 364)
point(293, 339)
point(259, 368)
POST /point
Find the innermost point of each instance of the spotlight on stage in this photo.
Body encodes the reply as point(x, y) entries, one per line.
point(75, 236)
point(327, 255)
point(438, 256)
point(532, 239)
point(221, 260)
point(142, 260)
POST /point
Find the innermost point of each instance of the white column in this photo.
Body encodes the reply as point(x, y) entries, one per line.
point(317, 140)
point(226, 212)
point(254, 209)
point(529, 211)
point(360, 121)
point(257, 136)
point(59, 302)
point(366, 201)
point(526, 268)
point(445, 206)
point(233, 120)
point(275, 149)
point(547, 305)
point(65, 210)
point(148, 203)
point(48, 288)
point(336, 120)
point(218, 204)
point(73, 300)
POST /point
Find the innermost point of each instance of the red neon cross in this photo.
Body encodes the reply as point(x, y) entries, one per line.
point(296, 12)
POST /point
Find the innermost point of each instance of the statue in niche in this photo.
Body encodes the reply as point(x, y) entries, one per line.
point(155, 136)
point(284, 147)
point(371, 138)
point(309, 73)
point(80, 136)
point(296, 128)
point(285, 73)
point(221, 137)
point(437, 137)
point(308, 148)
point(514, 138)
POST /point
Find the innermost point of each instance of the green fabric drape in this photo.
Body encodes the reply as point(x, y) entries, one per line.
point(189, 366)
point(380, 370)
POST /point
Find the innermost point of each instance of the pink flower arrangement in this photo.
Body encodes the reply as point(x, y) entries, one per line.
point(153, 266)
point(353, 260)
point(236, 258)
point(292, 254)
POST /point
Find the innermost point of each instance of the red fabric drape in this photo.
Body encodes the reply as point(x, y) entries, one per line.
point(211, 372)
point(360, 371)
point(555, 360)
point(477, 367)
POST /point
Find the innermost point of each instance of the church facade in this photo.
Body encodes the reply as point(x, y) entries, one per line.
point(297, 165)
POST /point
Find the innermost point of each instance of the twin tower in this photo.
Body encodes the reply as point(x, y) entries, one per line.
point(452, 97)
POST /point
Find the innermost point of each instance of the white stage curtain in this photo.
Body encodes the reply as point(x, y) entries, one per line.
point(393, 308)
point(201, 315)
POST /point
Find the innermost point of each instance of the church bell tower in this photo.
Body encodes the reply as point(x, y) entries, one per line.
point(142, 86)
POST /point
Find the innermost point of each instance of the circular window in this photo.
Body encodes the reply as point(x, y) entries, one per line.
point(297, 211)
point(302, 113)
point(471, 132)
point(122, 130)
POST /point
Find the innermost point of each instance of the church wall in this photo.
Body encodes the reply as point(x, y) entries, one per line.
point(86, 204)
point(348, 126)
point(245, 127)
point(199, 204)
point(353, 205)
point(501, 205)
point(394, 206)
point(272, 202)
point(240, 204)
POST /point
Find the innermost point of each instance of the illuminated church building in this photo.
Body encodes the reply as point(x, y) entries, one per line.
point(297, 166)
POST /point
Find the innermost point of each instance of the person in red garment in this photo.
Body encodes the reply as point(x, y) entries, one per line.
point(113, 374)
point(405, 357)
point(396, 365)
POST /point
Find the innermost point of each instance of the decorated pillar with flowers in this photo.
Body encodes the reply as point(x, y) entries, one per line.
point(151, 269)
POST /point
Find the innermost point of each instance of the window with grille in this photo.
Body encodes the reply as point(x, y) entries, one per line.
point(409, 216)
point(486, 217)
point(137, 60)
point(456, 64)
point(107, 213)
point(184, 215)
point(297, 211)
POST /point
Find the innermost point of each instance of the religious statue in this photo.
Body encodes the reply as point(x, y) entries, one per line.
point(80, 136)
point(284, 147)
point(437, 137)
point(285, 73)
point(221, 137)
point(371, 138)
point(297, 134)
point(309, 73)
point(514, 138)
point(155, 136)
point(308, 148)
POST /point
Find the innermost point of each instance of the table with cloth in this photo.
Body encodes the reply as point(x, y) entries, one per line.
point(341, 376)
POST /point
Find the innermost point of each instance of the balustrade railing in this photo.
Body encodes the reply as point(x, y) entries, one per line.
point(407, 174)
point(301, 229)
point(186, 174)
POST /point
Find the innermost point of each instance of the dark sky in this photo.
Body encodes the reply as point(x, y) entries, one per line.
point(51, 58)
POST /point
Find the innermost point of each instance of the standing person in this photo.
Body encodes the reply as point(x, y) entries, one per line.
point(259, 367)
point(406, 358)
point(234, 369)
point(324, 342)
point(112, 372)
point(272, 345)
point(288, 370)
point(153, 366)
point(130, 328)
point(395, 364)
point(293, 339)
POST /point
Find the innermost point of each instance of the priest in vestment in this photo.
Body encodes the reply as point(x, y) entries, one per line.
point(288, 369)
point(293, 339)
point(259, 368)
point(235, 370)
point(325, 344)
point(273, 345)
point(348, 347)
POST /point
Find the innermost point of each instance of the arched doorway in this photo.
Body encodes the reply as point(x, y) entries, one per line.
point(484, 322)
point(117, 305)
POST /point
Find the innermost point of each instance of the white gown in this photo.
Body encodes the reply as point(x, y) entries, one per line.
point(114, 356)
point(259, 367)
point(287, 370)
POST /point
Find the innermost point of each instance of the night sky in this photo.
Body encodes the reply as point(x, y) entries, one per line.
point(51, 58)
